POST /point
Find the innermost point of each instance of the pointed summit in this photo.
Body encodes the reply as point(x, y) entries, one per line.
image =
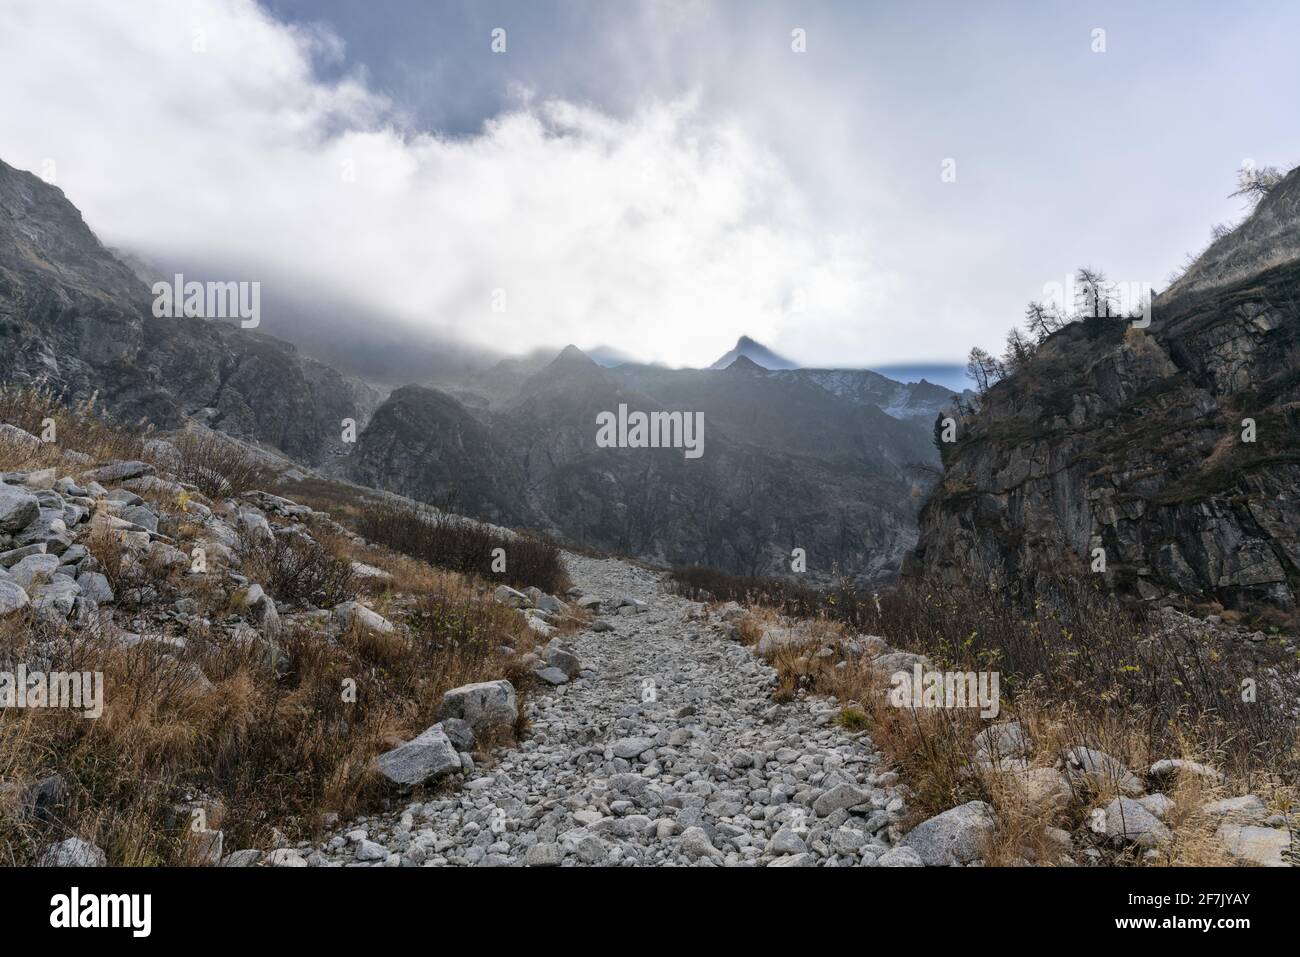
point(743, 363)
point(571, 357)
point(756, 353)
point(572, 367)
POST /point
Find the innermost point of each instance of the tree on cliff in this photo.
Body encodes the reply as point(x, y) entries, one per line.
point(1255, 183)
point(984, 369)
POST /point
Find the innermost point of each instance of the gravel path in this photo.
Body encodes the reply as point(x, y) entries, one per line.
point(667, 749)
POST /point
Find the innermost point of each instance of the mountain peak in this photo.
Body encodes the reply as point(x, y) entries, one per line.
point(572, 357)
point(743, 363)
point(756, 353)
point(571, 367)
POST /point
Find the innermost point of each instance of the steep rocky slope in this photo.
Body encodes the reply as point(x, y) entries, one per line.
point(75, 318)
point(1136, 442)
point(424, 444)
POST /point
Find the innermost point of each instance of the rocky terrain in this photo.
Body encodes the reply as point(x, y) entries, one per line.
point(1171, 452)
point(653, 740)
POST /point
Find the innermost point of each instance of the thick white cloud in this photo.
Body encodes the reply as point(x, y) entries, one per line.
point(202, 131)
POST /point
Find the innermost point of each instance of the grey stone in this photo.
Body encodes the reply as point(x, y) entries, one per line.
point(1170, 768)
point(486, 705)
point(557, 656)
point(351, 613)
point(695, 844)
point(121, 471)
point(285, 857)
point(72, 852)
point(428, 757)
point(140, 515)
point(245, 858)
point(955, 836)
point(1097, 771)
point(15, 555)
point(12, 597)
point(549, 603)
point(18, 509)
point(543, 855)
point(96, 586)
point(1129, 821)
point(1247, 809)
point(459, 733)
point(32, 567)
point(507, 595)
point(794, 860)
point(786, 841)
point(629, 748)
point(840, 796)
point(1007, 740)
point(20, 439)
point(900, 857)
point(55, 598)
point(1257, 846)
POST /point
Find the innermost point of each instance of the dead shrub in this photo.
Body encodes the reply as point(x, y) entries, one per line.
point(219, 467)
point(294, 568)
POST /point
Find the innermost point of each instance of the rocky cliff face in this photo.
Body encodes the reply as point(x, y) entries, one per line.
point(1139, 443)
point(75, 318)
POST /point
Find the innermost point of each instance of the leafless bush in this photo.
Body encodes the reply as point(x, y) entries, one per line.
point(293, 568)
point(217, 466)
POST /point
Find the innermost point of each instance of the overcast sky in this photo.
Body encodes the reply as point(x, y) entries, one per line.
point(658, 177)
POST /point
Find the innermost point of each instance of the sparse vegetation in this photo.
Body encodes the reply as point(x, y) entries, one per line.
point(297, 569)
point(57, 424)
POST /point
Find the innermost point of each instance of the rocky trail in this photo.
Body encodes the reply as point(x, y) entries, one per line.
point(665, 748)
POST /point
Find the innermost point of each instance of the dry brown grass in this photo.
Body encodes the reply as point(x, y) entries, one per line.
point(79, 427)
point(273, 751)
point(450, 541)
point(297, 569)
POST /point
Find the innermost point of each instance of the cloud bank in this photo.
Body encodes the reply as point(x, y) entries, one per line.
point(205, 132)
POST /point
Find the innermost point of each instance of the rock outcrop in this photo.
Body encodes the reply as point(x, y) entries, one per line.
point(1166, 459)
